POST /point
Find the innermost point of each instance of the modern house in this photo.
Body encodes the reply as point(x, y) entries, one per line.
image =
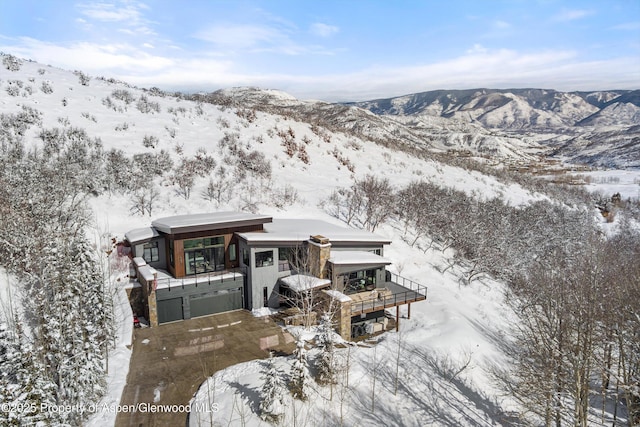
point(194, 265)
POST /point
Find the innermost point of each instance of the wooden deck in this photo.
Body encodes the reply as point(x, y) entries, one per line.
point(395, 294)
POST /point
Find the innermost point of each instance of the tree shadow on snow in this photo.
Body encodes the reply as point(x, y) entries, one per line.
point(249, 395)
point(445, 395)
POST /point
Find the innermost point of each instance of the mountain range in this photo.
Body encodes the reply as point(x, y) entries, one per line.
point(600, 128)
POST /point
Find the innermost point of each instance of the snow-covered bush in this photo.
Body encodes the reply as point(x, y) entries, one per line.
point(150, 141)
point(146, 106)
point(46, 87)
point(82, 78)
point(123, 95)
point(253, 162)
point(285, 196)
point(11, 62)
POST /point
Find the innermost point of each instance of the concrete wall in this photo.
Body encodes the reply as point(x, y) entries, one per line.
point(266, 276)
point(260, 277)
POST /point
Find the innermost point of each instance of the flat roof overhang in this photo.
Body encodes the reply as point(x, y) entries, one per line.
point(141, 235)
point(207, 221)
point(294, 232)
point(357, 258)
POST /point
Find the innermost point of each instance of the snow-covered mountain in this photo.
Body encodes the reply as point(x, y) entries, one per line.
point(565, 121)
point(507, 108)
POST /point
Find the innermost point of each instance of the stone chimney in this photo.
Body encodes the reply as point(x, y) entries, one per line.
point(319, 253)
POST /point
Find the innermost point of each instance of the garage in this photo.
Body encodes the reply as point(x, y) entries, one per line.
point(218, 302)
point(170, 310)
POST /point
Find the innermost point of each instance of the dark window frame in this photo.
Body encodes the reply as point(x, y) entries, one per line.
point(151, 251)
point(263, 259)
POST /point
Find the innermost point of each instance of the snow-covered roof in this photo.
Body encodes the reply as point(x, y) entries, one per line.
point(357, 257)
point(147, 272)
point(139, 235)
point(303, 282)
point(207, 221)
point(139, 261)
point(338, 295)
point(295, 231)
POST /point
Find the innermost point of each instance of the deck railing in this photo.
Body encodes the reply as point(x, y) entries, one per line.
point(214, 277)
point(409, 284)
point(412, 292)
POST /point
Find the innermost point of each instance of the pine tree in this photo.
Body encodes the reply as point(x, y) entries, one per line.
point(272, 393)
point(326, 369)
point(299, 372)
point(33, 391)
point(72, 324)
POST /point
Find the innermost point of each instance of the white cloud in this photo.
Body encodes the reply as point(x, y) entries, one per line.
point(92, 58)
point(235, 39)
point(109, 12)
point(323, 30)
point(560, 70)
point(128, 15)
point(501, 25)
point(628, 26)
point(572, 14)
point(241, 36)
point(477, 48)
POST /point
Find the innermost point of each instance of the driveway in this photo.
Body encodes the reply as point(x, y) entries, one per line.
point(169, 362)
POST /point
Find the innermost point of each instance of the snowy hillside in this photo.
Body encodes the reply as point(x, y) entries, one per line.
point(464, 226)
point(111, 112)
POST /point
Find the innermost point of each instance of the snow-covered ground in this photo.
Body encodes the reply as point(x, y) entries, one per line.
point(611, 181)
point(447, 350)
point(120, 351)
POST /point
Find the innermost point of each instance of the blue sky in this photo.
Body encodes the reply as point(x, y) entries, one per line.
point(334, 50)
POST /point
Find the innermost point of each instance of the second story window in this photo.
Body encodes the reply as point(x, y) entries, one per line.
point(264, 259)
point(151, 253)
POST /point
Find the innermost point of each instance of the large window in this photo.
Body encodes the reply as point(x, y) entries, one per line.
point(264, 259)
point(359, 281)
point(204, 255)
point(291, 258)
point(150, 253)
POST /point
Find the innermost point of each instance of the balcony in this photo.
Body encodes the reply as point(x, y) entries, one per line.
point(396, 291)
point(153, 279)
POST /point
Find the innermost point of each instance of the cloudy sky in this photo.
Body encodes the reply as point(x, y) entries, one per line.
point(335, 50)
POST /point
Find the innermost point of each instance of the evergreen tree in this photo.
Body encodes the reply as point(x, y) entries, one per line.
point(272, 393)
point(73, 325)
point(326, 369)
point(299, 372)
point(33, 392)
